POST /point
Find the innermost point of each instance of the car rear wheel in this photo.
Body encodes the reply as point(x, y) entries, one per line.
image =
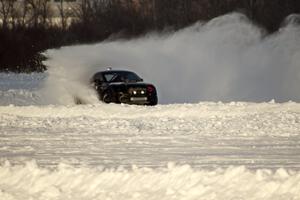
point(153, 101)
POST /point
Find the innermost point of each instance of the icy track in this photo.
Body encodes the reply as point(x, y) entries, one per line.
point(118, 152)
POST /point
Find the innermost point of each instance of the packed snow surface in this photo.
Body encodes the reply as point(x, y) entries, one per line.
point(207, 150)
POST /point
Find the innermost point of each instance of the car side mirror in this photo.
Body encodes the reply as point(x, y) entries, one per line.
point(98, 82)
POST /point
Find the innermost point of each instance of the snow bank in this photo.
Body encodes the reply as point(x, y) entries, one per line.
point(25, 182)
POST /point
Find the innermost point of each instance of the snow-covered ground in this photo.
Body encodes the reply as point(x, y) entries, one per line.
point(197, 151)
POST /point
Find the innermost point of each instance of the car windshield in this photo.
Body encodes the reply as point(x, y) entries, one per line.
point(121, 77)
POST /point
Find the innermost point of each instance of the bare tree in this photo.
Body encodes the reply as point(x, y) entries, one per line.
point(22, 13)
point(84, 10)
point(45, 11)
point(154, 11)
point(6, 8)
point(251, 7)
point(39, 11)
point(63, 17)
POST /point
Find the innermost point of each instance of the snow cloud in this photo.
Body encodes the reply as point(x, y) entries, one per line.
point(226, 59)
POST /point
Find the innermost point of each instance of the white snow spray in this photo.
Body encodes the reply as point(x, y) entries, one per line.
point(226, 59)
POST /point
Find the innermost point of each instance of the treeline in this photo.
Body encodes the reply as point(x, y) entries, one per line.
point(29, 27)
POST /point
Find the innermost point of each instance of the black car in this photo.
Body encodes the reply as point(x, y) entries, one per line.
point(120, 86)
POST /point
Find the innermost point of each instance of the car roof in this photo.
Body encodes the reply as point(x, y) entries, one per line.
point(114, 70)
point(97, 74)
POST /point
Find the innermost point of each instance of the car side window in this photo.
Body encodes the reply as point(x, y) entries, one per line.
point(132, 77)
point(98, 79)
point(108, 77)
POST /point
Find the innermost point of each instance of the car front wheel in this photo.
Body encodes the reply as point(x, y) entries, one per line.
point(107, 97)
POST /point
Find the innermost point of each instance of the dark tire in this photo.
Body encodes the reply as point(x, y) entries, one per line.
point(153, 102)
point(107, 97)
point(123, 99)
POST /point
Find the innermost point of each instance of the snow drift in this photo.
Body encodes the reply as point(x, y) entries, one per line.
point(174, 182)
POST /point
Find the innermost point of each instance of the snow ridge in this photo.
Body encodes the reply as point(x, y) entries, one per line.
point(66, 182)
